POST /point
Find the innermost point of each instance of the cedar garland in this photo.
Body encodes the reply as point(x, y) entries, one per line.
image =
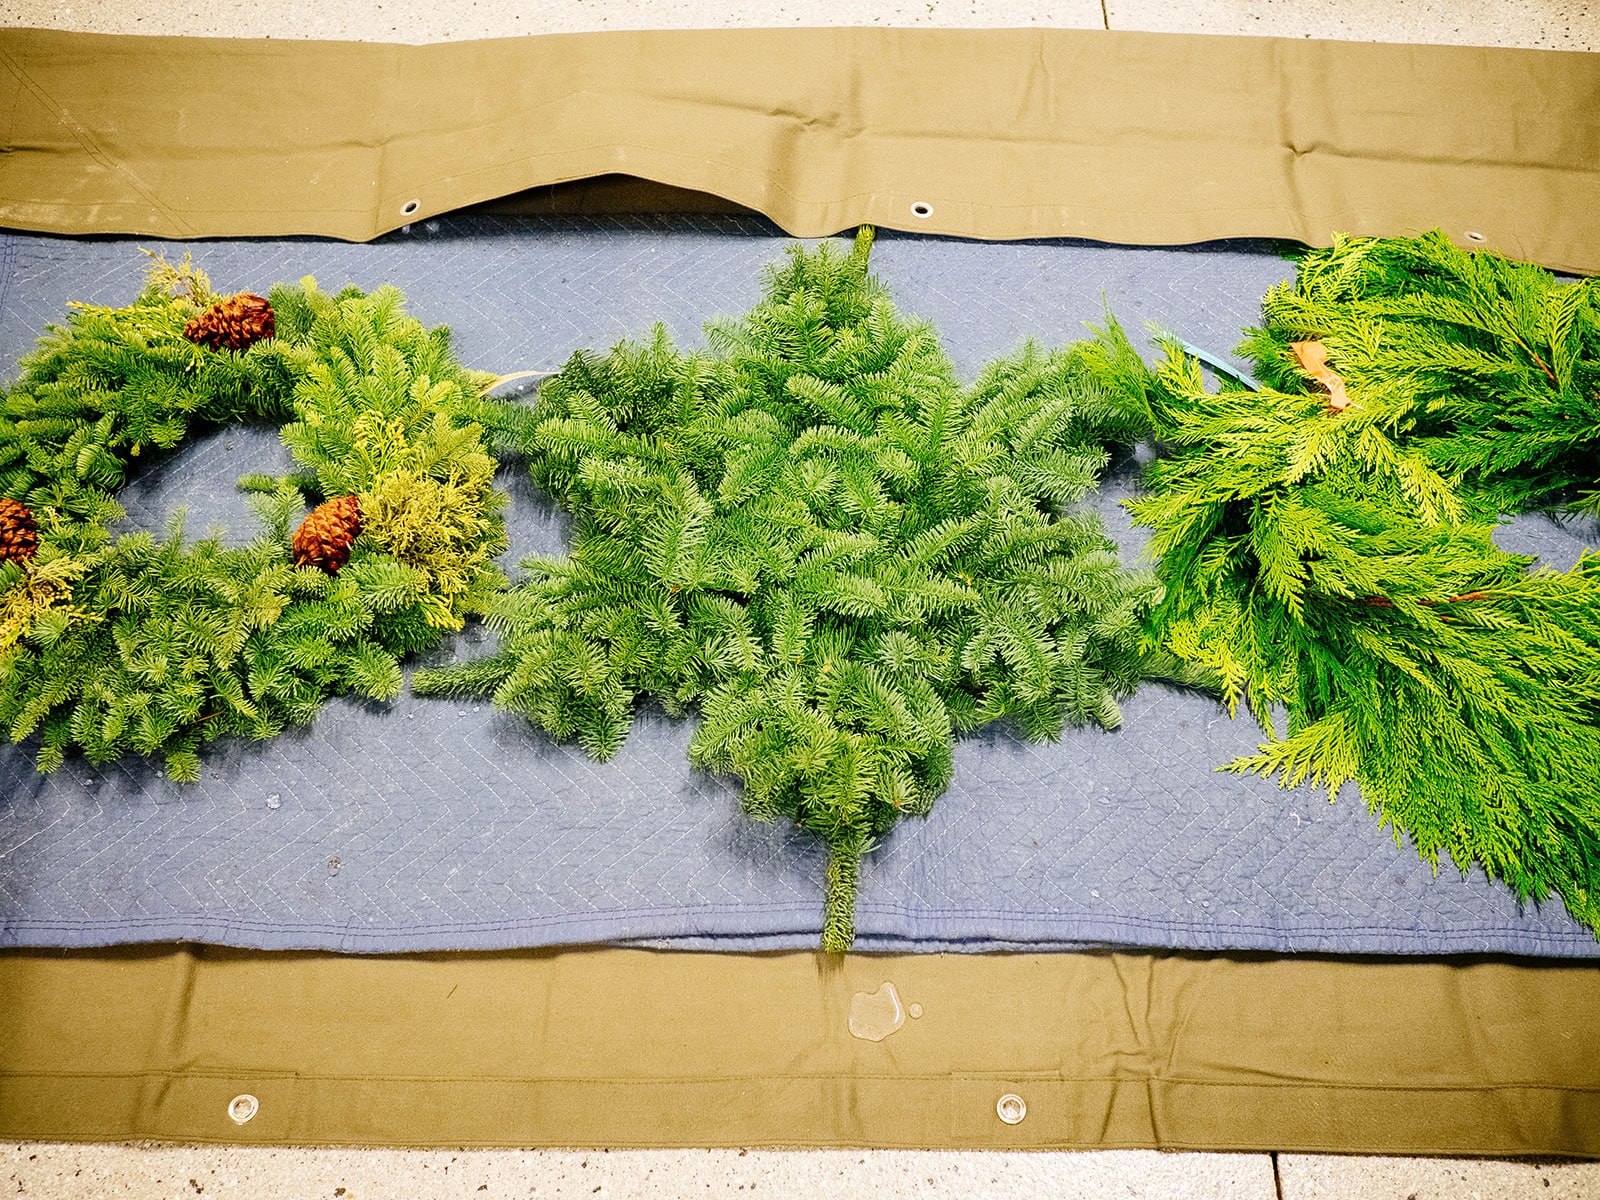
point(1338, 559)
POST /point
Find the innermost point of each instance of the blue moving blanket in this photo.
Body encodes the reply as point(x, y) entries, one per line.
point(427, 825)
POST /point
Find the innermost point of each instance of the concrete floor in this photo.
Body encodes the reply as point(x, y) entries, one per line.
point(247, 1173)
point(1545, 24)
point(148, 1172)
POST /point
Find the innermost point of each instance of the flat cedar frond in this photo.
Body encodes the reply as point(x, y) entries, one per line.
point(1341, 562)
point(835, 551)
point(1459, 350)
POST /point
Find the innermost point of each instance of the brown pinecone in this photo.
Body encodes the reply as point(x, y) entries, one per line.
point(19, 533)
point(324, 537)
point(236, 323)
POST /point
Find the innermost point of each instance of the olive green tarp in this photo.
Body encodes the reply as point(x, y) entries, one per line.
point(1121, 137)
point(637, 1048)
point(1124, 137)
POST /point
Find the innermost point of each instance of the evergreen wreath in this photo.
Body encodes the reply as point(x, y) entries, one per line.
point(1325, 544)
point(839, 554)
point(131, 644)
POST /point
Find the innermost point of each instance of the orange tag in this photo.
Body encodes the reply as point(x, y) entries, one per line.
point(1313, 360)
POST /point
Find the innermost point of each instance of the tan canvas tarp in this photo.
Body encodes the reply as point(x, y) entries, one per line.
point(636, 1048)
point(1126, 137)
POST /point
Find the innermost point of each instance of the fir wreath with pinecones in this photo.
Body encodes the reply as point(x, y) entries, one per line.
point(128, 644)
point(840, 555)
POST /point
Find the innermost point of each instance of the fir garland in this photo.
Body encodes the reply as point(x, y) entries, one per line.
point(839, 554)
point(1325, 543)
point(132, 644)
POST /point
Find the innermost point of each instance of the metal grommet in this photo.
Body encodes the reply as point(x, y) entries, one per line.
point(1472, 235)
point(409, 207)
point(1011, 1108)
point(922, 210)
point(241, 1109)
